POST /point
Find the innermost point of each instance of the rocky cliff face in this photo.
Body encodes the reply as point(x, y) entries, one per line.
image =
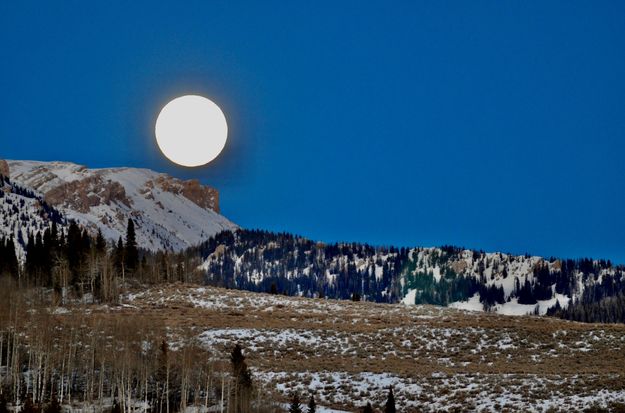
point(84, 194)
point(203, 196)
point(4, 168)
point(169, 213)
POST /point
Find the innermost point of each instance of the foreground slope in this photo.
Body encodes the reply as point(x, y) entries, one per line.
point(170, 214)
point(436, 358)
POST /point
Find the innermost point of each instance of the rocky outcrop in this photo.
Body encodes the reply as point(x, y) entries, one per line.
point(4, 168)
point(201, 195)
point(82, 195)
point(459, 267)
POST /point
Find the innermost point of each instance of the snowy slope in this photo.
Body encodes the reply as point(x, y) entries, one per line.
point(494, 269)
point(169, 213)
point(23, 212)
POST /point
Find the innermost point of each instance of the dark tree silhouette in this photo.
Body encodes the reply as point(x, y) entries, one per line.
point(390, 402)
point(131, 254)
point(242, 390)
point(312, 406)
point(3, 401)
point(295, 406)
point(53, 407)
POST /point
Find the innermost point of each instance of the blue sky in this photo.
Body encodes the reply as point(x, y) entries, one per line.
point(493, 125)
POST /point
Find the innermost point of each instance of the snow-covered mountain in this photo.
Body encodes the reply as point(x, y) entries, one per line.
point(169, 213)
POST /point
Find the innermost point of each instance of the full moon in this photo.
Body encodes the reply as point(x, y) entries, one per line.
point(191, 130)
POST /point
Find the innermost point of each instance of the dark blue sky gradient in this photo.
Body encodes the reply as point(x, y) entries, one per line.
point(493, 125)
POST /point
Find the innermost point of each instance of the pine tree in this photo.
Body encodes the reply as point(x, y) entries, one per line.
point(131, 254)
point(8, 260)
point(312, 406)
point(30, 407)
point(53, 407)
point(76, 250)
point(116, 407)
point(3, 401)
point(118, 256)
point(100, 242)
point(54, 234)
point(390, 402)
point(295, 404)
point(242, 390)
point(367, 408)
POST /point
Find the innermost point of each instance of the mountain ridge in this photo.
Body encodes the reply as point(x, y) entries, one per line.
point(170, 213)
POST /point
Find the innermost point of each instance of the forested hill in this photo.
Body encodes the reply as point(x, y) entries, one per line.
point(582, 289)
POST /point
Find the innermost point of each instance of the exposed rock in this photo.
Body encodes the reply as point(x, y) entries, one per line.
point(459, 266)
point(201, 195)
point(89, 192)
point(219, 251)
point(4, 168)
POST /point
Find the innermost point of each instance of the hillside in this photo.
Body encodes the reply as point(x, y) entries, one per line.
point(449, 276)
point(170, 214)
point(350, 352)
point(22, 213)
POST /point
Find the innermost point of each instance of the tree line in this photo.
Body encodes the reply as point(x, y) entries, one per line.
point(282, 263)
point(73, 262)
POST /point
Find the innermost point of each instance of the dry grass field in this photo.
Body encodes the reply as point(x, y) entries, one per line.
point(348, 353)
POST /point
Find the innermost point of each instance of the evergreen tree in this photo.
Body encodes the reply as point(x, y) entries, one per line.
point(367, 408)
point(295, 406)
point(75, 252)
point(242, 390)
point(312, 406)
point(390, 402)
point(100, 242)
point(54, 233)
point(131, 254)
point(8, 259)
point(118, 256)
point(3, 401)
point(30, 407)
point(53, 407)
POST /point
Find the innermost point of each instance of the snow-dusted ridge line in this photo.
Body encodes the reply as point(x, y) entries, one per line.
point(506, 283)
